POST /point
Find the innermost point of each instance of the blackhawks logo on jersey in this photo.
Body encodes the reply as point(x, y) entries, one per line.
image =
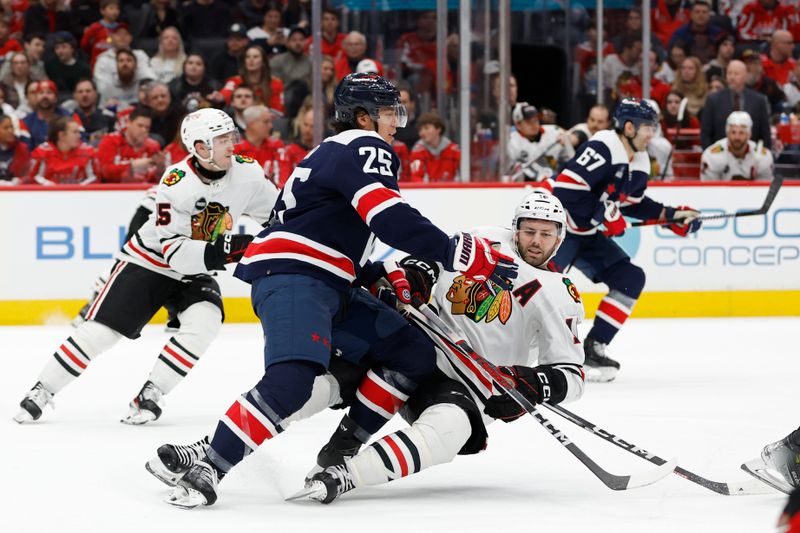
point(211, 222)
point(473, 300)
point(572, 290)
point(175, 175)
point(244, 159)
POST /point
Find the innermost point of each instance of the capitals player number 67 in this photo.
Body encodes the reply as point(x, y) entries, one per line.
point(590, 155)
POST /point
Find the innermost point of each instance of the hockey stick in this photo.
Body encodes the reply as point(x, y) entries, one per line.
point(425, 317)
point(731, 488)
point(772, 192)
point(681, 112)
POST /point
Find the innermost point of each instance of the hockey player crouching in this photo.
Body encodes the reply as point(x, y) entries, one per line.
point(529, 331)
point(170, 261)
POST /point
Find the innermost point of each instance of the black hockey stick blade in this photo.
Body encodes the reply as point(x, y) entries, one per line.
point(772, 192)
point(426, 318)
point(731, 488)
point(758, 470)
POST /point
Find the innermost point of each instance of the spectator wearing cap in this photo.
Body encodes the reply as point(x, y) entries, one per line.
point(250, 12)
point(760, 18)
point(778, 63)
point(64, 158)
point(195, 84)
point(255, 73)
point(536, 151)
point(258, 143)
point(7, 43)
point(355, 49)
point(332, 38)
point(16, 78)
point(736, 97)
point(96, 122)
point(699, 35)
point(418, 47)
point(758, 81)
point(270, 34)
point(123, 88)
point(205, 19)
point(167, 63)
point(48, 17)
point(666, 17)
point(157, 16)
point(15, 157)
point(693, 84)
point(44, 111)
point(726, 46)
point(96, 38)
point(293, 64)
point(435, 158)
point(226, 63)
point(105, 68)
point(130, 156)
point(64, 68)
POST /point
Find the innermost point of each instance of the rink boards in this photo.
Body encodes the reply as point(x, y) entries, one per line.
point(57, 241)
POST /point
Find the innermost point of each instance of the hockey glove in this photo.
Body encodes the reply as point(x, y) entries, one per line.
point(476, 258)
point(613, 220)
point(689, 216)
point(421, 275)
point(227, 248)
point(537, 385)
point(396, 276)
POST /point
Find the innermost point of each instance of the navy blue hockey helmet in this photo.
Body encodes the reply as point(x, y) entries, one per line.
point(369, 92)
point(634, 110)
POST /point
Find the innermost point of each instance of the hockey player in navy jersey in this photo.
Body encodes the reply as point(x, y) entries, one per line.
point(302, 269)
point(605, 180)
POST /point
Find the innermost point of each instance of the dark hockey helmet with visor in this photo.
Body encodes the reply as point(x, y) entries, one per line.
point(634, 110)
point(372, 93)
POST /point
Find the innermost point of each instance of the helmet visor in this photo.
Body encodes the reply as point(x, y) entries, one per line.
point(225, 140)
point(395, 116)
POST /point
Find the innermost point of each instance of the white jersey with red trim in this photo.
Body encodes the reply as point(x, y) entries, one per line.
point(535, 323)
point(719, 164)
point(189, 213)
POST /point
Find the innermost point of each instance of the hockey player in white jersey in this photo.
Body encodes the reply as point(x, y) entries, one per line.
point(171, 260)
point(736, 157)
point(536, 151)
point(530, 332)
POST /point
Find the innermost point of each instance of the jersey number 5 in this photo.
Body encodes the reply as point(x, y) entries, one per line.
point(163, 216)
point(588, 156)
point(384, 160)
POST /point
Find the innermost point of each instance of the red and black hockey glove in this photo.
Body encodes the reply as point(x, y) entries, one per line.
point(227, 248)
point(613, 220)
point(421, 276)
point(396, 277)
point(477, 259)
point(539, 384)
point(690, 223)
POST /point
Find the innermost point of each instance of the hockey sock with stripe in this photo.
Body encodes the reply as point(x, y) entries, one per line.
point(611, 314)
point(73, 356)
point(380, 395)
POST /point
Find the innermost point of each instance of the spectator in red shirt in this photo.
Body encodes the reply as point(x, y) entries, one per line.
point(332, 39)
point(256, 73)
point(130, 156)
point(667, 16)
point(435, 157)
point(760, 18)
point(418, 47)
point(779, 64)
point(258, 142)
point(97, 37)
point(404, 155)
point(63, 159)
point(14, 155)
point(355, 49)
point(631, 86)
point(304, 141)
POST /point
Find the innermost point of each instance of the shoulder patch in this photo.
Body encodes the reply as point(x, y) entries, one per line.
point(175, 175)
point(572, 289)
point(763, 151)
point(717, 148)
point(244, 159)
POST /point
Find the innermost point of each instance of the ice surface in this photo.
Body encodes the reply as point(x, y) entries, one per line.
point(710, 391)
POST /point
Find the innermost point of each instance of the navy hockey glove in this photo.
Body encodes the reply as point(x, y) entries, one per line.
point(227, 248)
point(690, 223)
point(477, 259)
point(539, 384)
point(421, 276)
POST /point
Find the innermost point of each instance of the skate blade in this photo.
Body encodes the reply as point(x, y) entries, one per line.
point(310, 492)
point(600, 375)
point(23, 417)
point(759, 470)
point(185, 498)
point(156, 467)
point(138, 417)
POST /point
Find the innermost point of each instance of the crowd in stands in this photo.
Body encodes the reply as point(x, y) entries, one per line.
point(93, 91)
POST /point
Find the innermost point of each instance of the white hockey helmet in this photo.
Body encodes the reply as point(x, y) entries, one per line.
point(203, 126)
point(739, 118)
point(541, 205)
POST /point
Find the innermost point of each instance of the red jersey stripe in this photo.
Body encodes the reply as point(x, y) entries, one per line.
point(374, 199)
point(145, 256)
point(278, 245)
point(380, 396)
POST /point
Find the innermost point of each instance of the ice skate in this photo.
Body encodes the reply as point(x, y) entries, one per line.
point(597, 365)
point(197, 487)
point(33, 403)
point(146, 407)
point(342, 444)
point(173, 323)
point(173, 460)
point(327, 485)
point(779, 465)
